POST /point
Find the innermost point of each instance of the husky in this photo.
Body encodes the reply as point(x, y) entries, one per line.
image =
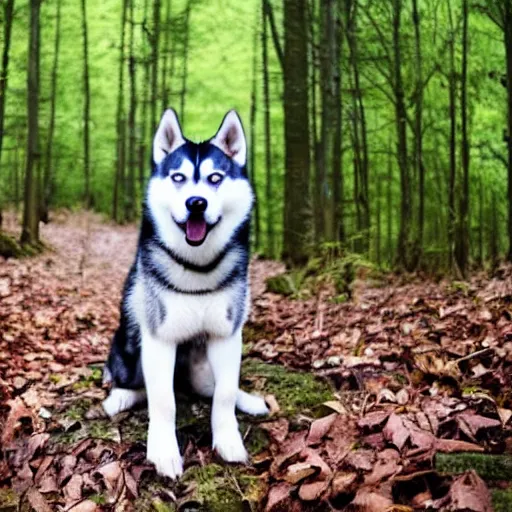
point(186, 297)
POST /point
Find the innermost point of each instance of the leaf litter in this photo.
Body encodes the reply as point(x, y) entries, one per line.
point(416, 368)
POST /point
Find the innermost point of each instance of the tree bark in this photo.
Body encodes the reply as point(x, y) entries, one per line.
point(418, 131)
point(463, 249)
point(130, 188)
point(184, 76)
point(144, 137)
point(49, 174)
point(167, 54)
point(88, 200)
point(508, 52)
point(120, 127)
point(4, 72)
point(404, 245)
point(30, 229)
point(270, 247)
point(252, 125)
point(296, 127)
point(155, 43)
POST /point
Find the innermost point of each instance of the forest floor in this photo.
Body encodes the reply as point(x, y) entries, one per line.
point(397, 400)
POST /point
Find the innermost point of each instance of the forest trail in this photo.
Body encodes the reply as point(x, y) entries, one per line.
point(386, 402)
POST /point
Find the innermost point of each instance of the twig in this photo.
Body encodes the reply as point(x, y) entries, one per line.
point(474, 354)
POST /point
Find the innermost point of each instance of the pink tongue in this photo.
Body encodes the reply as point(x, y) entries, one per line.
point(196, 229)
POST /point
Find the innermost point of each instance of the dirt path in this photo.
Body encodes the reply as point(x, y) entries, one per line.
point(392, 384)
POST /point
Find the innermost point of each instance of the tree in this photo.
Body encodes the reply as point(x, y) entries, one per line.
point(296, 228)
point(87, 109)
point(270, 248)
point(155, 43)
point(120, 125)
point(48, 182)
point(30, 228)
point(4, 71)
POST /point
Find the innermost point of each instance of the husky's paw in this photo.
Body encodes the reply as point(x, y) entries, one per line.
point(164, 453)
point(229, 445)
point(121, 400)
point(251, 404)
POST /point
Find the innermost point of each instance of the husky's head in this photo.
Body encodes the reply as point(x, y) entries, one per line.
point(199, 194)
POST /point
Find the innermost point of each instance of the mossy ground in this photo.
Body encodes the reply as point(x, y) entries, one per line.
point(215, 487)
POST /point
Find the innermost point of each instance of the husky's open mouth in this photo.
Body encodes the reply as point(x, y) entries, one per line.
point(196, 229)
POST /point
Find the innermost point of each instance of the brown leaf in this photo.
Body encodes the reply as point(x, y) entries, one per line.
point(67, 466)
point(279, 497)
point(476, 422)
point(278, 429)
point(85, 506)
point(18, 410)
point(373, 419)
point(361, 459)
point(367, 500)
point(299, 471)
point(73, 489)
point(469, 493)
point(395, 432)
point(111, 473)
point(454, 445)
point(342, 483)
point(319, 428)
point(271, 401)
point(311, 491)
point(37, 501)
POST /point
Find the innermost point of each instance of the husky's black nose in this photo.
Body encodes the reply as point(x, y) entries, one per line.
point(196, 204)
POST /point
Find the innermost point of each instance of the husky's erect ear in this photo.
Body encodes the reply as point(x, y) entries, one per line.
point(231, 139)
point(168, 136)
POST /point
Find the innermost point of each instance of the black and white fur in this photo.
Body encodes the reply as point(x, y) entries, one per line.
point(186, 297)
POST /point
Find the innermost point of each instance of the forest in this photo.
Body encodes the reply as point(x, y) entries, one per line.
point(379, 127)
point(379, 140)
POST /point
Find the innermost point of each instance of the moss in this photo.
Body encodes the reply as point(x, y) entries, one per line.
point(9, 248)
point(489, 467)
point(9, 500)
point(283, 284)
point(294, 391)
point(223, 488)
point(501, 500)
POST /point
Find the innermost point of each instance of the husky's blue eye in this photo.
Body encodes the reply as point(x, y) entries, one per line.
point(177, 177)
point(215, 178)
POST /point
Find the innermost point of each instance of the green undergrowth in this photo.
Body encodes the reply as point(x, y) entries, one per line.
point(9, 500)
point(329, 268)
point(10, 248)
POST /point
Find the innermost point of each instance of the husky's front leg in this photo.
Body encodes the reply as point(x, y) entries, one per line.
point(158, 361)
point(224, 356)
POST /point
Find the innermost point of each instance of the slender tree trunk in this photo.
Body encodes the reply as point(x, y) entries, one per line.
point(155, 43)
point(337, 162)
point(166, 52)
point(453, 139)
point(268, 136)
point(49, 174)
point(508, 52)
point(463, 249)
point(120, 126)
point(418, 131)
point(328, 116)
point(4, 71)
point(184, 76)
point(297, 213)
point(480, 220)
point(88, 200)
point(145, 100)
point(389, 201)
point(30, 229)
point(132, 159)
point(403, 256)
point(252, 124)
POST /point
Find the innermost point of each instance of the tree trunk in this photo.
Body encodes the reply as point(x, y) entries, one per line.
point(30, 229)
point(453, 140)
point(269, 200)
point(88, 200)
point(337, 162)
point(167, 53)
point(463, 244)
point(252, 125)
point(4, 72)
point(49, 174)
point(130, 203)
point(144, 137)
point(418, 131)
point(389, 201)
point(184, 76)
point(155, 43)
point(296, 127)
point(403, 246)
point(508, 52)
point(118, 212)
